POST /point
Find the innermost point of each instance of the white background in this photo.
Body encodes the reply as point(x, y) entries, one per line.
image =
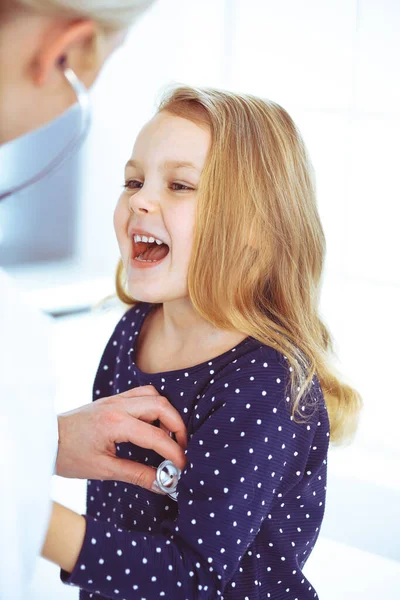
point(334, 65)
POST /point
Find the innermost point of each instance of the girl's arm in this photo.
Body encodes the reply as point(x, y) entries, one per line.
point(64, 538)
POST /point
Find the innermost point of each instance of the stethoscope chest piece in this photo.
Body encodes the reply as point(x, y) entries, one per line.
point(167, 477)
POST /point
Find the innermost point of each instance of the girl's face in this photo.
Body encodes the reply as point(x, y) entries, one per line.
point(159, 202)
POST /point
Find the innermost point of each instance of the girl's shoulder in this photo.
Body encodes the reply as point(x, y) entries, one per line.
point(253, 357)
point(263, 361)
point(261, 371)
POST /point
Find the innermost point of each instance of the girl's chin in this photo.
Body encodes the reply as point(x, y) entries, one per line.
point(143, 292)
point(154, 294)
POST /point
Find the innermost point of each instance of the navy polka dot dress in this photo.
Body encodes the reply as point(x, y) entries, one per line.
point(250, 499)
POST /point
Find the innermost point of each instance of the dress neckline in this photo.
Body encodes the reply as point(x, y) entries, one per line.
point(147, 307)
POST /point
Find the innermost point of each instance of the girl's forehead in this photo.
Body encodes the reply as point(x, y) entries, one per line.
point(172, 138)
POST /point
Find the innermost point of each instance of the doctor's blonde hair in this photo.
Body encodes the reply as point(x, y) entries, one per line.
point(257, 217)
point(112, 15)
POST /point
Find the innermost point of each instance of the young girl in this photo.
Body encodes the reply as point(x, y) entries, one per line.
point(222, 251)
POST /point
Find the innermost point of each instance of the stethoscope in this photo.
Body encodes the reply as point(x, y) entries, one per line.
point(46, 148)
point(167, 477)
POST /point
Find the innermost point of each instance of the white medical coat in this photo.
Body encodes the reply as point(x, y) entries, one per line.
point(28, 438)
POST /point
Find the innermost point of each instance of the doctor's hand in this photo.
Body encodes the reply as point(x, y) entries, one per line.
point(87, 437)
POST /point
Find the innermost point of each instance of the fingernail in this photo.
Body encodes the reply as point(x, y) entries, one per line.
point(156, 488)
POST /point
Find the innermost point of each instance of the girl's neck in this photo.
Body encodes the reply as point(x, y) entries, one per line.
point(174, 336)
point(182, 327)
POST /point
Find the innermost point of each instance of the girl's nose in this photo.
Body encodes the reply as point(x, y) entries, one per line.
point(139, 210)
point(140, 203)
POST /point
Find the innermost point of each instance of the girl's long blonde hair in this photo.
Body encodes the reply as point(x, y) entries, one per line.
point(259, 247)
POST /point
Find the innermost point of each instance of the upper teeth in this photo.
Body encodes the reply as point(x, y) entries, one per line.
point(145, 238)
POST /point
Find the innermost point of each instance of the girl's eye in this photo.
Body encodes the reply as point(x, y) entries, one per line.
point(179, 187)
point(132, 184)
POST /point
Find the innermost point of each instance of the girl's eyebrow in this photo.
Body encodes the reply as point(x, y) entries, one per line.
point(179, 164)
point(168, 164)
point(132, 163)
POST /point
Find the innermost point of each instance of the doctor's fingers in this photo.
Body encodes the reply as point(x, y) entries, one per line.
point(150, 407)
point(143, 390)
point(128, 471)
point(151, 437)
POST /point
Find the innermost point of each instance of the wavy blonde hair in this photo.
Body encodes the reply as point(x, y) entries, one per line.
point(257, 217)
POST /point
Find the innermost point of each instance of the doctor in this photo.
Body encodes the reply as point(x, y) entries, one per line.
point(50, 52)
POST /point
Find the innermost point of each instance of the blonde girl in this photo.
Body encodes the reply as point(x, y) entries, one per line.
point(222, 252)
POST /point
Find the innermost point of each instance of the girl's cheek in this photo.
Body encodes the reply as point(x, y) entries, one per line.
point(115, 221)
point(121, 217)
point(120, 228)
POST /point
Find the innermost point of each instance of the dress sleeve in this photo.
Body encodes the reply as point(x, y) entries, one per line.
point(245, 450)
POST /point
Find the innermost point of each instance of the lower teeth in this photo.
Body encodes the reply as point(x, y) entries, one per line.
point(143, 259)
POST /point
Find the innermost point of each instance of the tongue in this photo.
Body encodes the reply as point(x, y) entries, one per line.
point(155, 252)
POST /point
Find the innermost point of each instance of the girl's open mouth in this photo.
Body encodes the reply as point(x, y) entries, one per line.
point(148, 251)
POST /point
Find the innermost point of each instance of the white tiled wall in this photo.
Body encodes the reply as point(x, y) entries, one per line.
point(296, 53)
point(377, 82)
point(373, 212)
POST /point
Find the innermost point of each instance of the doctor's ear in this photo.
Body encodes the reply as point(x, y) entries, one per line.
point(79, 45)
